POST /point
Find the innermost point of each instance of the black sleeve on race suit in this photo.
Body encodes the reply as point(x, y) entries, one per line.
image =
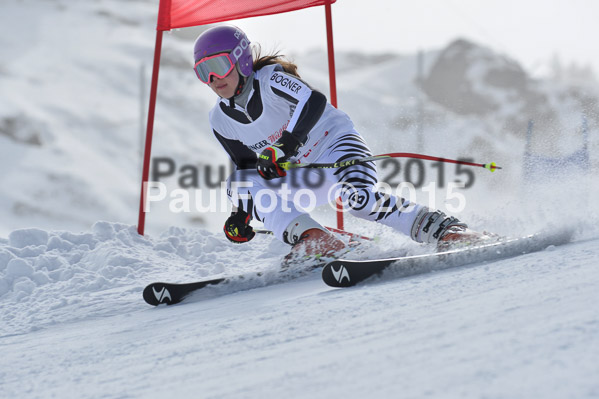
point(242, 157)
point(309, 103)
point(309, 114)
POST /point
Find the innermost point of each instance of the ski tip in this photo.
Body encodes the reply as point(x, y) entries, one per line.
point(157, 293)
point(335, 274)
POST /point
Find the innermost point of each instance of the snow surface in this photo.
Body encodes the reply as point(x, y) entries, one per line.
point(74, 324)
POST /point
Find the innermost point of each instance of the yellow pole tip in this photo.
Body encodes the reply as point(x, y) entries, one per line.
point(491, 166)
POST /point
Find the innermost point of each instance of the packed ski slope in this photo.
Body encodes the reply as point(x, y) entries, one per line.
point(74, 325)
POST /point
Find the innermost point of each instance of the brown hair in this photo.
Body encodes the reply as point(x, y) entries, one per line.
point(261, 61)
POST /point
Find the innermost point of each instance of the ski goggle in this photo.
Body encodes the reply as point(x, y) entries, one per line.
point(219, 65)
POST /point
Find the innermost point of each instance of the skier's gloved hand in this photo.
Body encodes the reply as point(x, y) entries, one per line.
point(281, 151)
point(237, 227)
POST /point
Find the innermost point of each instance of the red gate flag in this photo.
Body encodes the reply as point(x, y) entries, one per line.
point(185, 13)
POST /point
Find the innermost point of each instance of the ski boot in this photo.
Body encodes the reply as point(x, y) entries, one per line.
point(447, 232)
point(311, 242)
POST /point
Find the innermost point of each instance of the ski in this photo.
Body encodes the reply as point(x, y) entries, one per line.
point(347, 273)
point(172, 293)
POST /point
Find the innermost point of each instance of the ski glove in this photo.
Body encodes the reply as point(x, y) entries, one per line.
point(237, 227)
point(268, 160)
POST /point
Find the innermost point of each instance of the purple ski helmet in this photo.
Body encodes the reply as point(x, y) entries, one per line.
point(226, 39)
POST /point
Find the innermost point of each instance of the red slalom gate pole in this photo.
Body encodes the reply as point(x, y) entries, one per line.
point(141, 222)
point(333, 87)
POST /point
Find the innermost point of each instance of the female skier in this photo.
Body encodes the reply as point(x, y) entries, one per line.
point(265, 115)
